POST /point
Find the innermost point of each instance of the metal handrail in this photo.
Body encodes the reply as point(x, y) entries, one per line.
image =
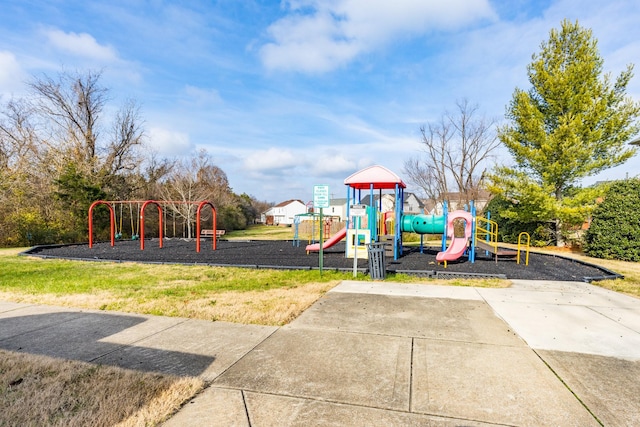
point(490, 232)
point(520, 236)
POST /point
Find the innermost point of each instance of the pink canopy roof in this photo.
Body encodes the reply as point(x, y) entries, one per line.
point(381, 178)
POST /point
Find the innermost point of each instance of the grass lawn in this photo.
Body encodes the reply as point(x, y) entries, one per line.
point(270, 297)
point(37, 390)
point(261, 232)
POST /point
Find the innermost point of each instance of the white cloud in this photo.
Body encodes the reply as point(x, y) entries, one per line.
point(319, 36)
point(169, 143)
point(82, 45)
point(203, 96)
point(271, 159)
point(333, 164)
point(11, 74)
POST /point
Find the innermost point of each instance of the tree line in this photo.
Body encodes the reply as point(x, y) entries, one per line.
point(60, 151)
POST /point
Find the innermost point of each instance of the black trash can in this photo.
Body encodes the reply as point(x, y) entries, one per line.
point(377, 264)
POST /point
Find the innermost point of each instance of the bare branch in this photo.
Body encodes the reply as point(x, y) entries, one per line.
point(72, 104)
point(456, 150)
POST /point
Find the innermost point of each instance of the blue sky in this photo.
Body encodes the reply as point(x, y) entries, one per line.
point(288, 94)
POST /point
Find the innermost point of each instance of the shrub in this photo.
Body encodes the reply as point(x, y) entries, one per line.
point(510, 228)
point(615, 226)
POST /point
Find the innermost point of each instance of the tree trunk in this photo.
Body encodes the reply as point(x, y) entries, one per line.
point(558, 232)
point(558, 223)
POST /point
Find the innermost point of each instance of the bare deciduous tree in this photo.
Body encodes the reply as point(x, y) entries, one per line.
point(69, 108)
point(19, 142)
point(25, 184)
point(456, 150)
point(126, 137)
point(57, 137)
point(193, 180)
point(156, 169)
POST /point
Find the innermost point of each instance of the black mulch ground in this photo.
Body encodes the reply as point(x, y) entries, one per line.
point(283, 254)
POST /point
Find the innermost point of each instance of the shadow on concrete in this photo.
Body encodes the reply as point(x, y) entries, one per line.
point(81, 336)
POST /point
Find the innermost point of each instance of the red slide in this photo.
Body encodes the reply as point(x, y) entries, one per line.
point(332, 241)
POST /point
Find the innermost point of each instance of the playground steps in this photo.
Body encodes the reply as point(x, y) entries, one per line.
point(387, 239)
point(499, 252)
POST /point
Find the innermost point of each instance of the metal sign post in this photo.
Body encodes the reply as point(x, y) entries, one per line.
point(355, 254)
point(357, 211)
point(321, 201)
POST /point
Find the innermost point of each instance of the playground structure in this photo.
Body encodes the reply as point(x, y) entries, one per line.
point(141, 206)
point(307, 227)
point(378, 226)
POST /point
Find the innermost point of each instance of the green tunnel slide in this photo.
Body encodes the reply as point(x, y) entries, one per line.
point(423, 224)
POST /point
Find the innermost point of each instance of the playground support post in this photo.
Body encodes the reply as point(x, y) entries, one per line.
point(356, 225)
point(399, 208)
point(214, 240)
point(445, 211)
point(488, 236)
point(112, 221)
point(144, 205)
point(472, 249)
point(321, 255)
point(373, 221)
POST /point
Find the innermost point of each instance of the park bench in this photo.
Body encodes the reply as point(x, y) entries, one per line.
point(209, 233)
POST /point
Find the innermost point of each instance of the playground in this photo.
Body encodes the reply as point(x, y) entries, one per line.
point(282, 254)
point(469, 245)
point(371, 221)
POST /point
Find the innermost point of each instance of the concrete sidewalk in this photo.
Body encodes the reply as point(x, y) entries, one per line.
point(377, 353)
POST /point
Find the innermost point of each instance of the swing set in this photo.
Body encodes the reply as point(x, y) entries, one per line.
point(137, 226)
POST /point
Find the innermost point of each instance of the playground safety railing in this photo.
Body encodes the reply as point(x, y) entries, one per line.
point(524, 246)
point(487, 232)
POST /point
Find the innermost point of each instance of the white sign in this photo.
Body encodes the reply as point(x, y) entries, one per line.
point(358, 210)
point(320, 196)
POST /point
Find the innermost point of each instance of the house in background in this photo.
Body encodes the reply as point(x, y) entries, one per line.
point(283, 213)
point(457, 201)
point(412, 204)
point(337, 207)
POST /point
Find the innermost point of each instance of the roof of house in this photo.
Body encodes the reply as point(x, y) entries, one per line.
point(482, 195)
point(380, 177)
point(287, 203)
point(366, 198)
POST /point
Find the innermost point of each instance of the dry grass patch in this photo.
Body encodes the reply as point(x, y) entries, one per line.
point(272, 297)
point(271, 307)
point(275, 307)
point(477, 283)
point(39, 390)
point(10, 251)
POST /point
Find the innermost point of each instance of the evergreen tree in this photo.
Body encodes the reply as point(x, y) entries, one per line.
point(574, 122)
